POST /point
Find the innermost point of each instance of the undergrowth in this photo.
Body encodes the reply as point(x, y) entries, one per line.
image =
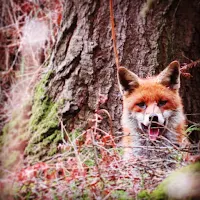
point(90, 170)
point(89, 165)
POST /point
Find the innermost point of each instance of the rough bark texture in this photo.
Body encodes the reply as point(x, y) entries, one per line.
point(84, 63)
point(149, 37)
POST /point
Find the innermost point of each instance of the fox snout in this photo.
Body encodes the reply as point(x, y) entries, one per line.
point(153, 122)
point(153, 118)
point(153, 114)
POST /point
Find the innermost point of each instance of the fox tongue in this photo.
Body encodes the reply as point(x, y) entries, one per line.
point(153, 133)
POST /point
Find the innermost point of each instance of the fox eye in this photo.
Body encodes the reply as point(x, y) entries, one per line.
point(141, 105)
point(162, 103)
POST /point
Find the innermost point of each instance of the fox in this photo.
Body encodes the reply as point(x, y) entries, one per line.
point(152, 110)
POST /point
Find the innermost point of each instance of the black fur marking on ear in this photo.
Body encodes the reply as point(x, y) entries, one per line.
point(170, 77)
point(124, 81)
point(127, 79)
point(174, 78)
point(125, 84)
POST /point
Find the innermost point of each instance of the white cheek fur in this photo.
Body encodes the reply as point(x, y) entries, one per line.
point(139, 116)
point(167, 114)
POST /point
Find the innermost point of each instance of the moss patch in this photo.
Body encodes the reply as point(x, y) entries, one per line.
point(160, 192)
point(44, 124)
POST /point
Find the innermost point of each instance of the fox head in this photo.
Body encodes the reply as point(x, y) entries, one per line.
point(152, 105)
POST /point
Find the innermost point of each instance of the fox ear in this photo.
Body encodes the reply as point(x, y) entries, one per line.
point(170, 77)
point(128, 81)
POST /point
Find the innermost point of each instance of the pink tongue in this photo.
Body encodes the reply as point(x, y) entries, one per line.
point(153, 133)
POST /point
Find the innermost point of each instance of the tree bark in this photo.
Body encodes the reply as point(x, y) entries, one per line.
point(84, 64)
point(150, 34)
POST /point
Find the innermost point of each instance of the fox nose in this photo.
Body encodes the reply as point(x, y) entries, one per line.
point(153, 117)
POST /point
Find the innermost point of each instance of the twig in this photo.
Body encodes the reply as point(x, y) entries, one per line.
point(95, 150)
point(73, 144)
point(110, 119)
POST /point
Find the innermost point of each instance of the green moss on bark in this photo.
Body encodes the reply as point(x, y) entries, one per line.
point(44, 124)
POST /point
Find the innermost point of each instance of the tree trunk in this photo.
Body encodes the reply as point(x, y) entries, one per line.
point(150, 34)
